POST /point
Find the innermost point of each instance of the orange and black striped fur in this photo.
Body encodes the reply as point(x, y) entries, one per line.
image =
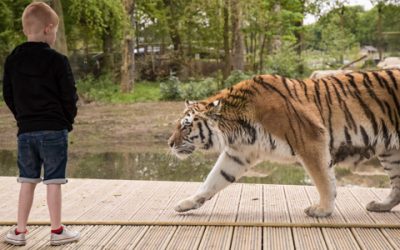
point(319, 123)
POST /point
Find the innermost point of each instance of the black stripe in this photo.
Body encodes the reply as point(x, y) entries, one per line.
point(291, 148)
point(328, 92)
point(364, 136)
point(235, 158)
point(369, 114)
point(272, 142)
point(305, 89)
point(347, 135)
point(377, 77)
point(331, 140)
point(385, 134)
point(371, 92)
point(210, 134)
point(201, 132)
point(389, 110)
point(384, 155)
point(340, 84)
point(394, 177)
point(395, 162)
point(284, 80)
point(228, 177)
point(350, 78)
point(390, 73)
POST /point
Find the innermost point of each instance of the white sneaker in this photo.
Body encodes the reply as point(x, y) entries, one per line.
point(14, 239)
point(65, 237)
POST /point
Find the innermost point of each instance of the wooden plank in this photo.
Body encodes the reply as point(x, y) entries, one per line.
point(297, 200)
point(364, 196)
point(186, 238)
point(334, 238)
point(349, 207)
point(156, 238)
point(369, 238)
point(100, 237)
point(275, 204)
point(216, 238)
point(340, 239)
point(247, 238)
point(87, 198)
point(69, 191)
point(393, 236)
point(276, 210)
point(250, 210)
point(127, 237)
point(225, 209)
point(136, 200)
point(102, 207)
point(160, 201)
point(308, 238)
point(277, 238)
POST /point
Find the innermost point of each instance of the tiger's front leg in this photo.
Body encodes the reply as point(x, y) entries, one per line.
point(226, 170)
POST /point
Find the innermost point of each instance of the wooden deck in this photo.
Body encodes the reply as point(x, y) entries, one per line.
point(116, 201)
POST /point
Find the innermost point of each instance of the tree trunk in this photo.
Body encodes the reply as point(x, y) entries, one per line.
point(61, 41)
point(237, 36)
point(379, 30)
point(128, 56)
point(227, 53)
point(108, 55)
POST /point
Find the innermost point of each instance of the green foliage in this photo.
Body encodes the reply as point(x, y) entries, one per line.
point(104, 89)
point(284, 62)
point(10, 26)
point(173, 89)
point(236, 76)
point(169, 89)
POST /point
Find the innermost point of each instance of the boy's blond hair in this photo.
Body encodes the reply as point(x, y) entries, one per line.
point(38, 16)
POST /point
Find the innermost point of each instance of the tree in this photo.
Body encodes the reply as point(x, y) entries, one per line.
point(128, 60)
point(103, 20)
point(237, 36)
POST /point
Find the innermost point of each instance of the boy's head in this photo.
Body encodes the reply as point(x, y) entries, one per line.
point(40, 23)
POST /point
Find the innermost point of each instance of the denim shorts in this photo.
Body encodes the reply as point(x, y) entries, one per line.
point(43, 148)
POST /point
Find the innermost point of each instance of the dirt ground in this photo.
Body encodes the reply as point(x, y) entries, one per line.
point(139, 127)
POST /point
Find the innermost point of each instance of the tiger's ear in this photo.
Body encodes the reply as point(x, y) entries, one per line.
point(213, 109)
point(189, 103)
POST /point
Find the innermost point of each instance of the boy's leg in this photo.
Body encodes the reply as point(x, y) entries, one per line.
point(54, 204)
point(25, 204)
point(29, 164)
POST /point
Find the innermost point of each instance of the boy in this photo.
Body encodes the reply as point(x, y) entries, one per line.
point(39, 89)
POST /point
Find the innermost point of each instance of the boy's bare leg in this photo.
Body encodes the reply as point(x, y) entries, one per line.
point(26, 194)
point(54, 204)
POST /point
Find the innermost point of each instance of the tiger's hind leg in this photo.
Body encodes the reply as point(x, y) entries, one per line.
point(318, 166)
point(227, 169)
point(391, 162)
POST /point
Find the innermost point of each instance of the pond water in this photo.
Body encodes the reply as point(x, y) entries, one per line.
point(164, 167)
point(156, 166)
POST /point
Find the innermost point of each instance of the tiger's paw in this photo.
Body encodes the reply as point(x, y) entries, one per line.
point(375, 206)
point(189, 204)
point(318, 211)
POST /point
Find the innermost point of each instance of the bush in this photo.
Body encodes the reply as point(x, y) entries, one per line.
point(173, 89)
point(235, 77)
point(198, 90)
point(284, 62)
point(169, 89)
point(104, 89)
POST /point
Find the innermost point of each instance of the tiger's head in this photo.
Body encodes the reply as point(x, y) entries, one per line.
point(196, 129)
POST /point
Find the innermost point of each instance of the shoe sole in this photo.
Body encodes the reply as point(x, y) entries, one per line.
point(66, 241)
point(15, 242)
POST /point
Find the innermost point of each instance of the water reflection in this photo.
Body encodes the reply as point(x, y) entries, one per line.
point(164, 167)
point(156, 166)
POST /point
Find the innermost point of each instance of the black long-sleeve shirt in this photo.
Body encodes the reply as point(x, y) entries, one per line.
point(39, 88)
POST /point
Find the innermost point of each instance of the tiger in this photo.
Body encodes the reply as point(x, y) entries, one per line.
point(346, 118)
